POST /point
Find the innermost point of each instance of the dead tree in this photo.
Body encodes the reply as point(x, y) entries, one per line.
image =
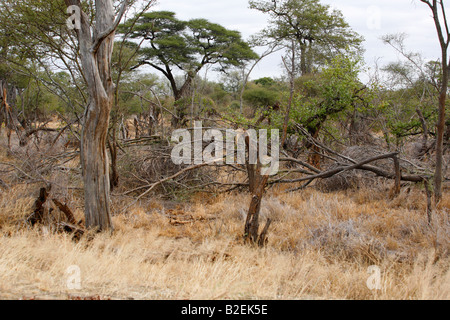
point(95, 53)
point(66, 210)
point(39, 210)
point(362, 165)
point(257, 184)
point(443, 31)
point(7, 114)
point(39, 213)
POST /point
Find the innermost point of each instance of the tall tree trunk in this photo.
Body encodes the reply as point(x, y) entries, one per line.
point(95, 52)
point(438, 175)
point(180, 107)
point(257, 184)
point(443, 32)
point(95, 164)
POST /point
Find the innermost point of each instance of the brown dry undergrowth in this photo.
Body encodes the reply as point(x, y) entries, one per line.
point(320, 246)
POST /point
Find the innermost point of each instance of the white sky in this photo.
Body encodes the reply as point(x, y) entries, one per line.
point(370, 18)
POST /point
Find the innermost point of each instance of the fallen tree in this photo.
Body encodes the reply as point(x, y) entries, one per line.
point(47, 216)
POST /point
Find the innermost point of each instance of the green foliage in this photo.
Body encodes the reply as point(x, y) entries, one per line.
point(320, 100)
point(38, 57)
point(265, 81)
point(186, 45)
point(330, 94)
point(123, 58)
point(258, 96)
point(28, 27)
point(398, 110)
point(219, 95)
point(217, 45)
point(338, 84)
point(408, 100)
point(33, 36)
point(135, 93)
point(321, 33)
point(235, 106)
point(165, 35)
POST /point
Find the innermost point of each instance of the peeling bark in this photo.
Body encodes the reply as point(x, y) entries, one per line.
point(96, 53)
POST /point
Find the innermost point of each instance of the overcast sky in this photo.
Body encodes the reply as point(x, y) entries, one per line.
point(370, 18)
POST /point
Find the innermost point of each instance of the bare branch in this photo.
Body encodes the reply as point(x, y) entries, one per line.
point(102, 36)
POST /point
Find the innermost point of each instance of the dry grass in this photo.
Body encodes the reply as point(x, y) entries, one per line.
point(320, 247)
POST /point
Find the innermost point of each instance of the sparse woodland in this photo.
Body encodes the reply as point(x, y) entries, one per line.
point(87, 177)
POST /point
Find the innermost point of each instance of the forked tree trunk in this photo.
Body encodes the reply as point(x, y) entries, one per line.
point(257, 183)
point(442, 28)
point(95, 52)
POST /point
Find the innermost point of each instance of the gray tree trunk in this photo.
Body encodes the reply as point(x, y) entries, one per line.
point(95, 52)
point(443, 32)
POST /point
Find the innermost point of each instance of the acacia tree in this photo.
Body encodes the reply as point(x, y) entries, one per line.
point(96, 49)
point(321, 33)
point(443, 31)
point(415, 88)
point(86, 55)
point(335, 90)
point(187, 46)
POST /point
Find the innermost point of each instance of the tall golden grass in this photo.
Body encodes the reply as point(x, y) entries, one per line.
point(321, 246)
